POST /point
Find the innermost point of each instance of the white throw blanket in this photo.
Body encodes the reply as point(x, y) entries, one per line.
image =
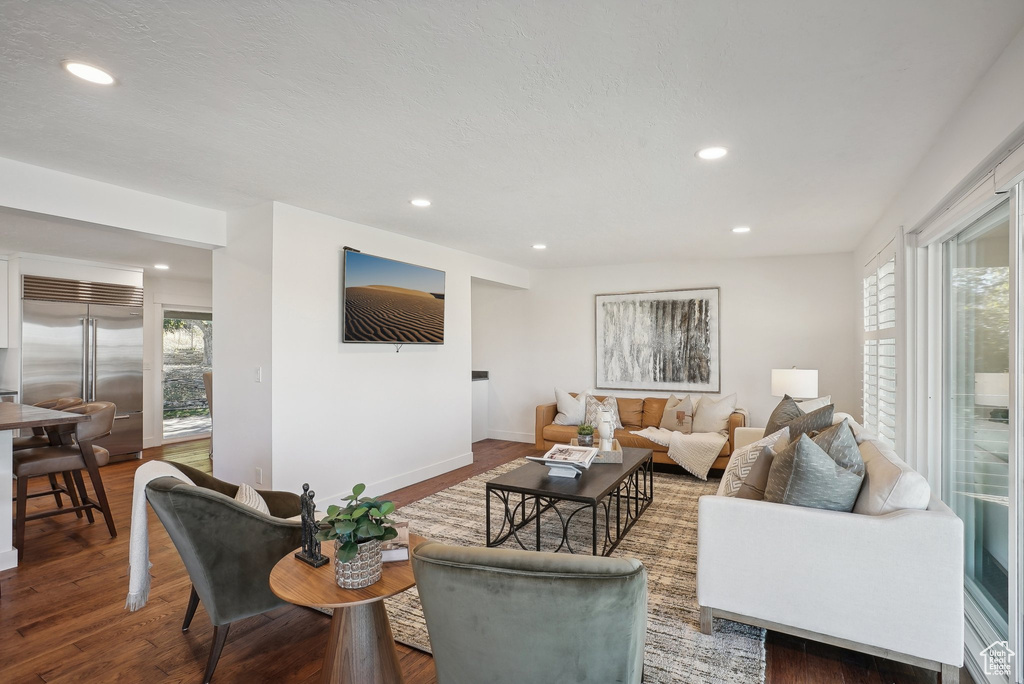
point(138, 544)
point(695, 452)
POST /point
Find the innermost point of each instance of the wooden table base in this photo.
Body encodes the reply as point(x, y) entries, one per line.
point(361, 648)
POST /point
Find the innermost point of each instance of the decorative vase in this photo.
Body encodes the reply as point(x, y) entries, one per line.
point(361, 571)
point(585, 440)
point(604, 428)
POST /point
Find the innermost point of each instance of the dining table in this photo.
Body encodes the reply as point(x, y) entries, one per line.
point(19, 417)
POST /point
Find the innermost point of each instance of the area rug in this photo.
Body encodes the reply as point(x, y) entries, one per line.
point(664, 540)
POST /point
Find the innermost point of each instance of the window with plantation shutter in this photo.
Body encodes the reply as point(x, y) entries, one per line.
point(880, 344)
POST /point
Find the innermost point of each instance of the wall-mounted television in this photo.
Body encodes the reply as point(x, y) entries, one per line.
point(390, 302)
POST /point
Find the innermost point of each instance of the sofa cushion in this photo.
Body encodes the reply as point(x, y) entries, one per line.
point(785, 412)
point(807, 475)
point(713, 416)
point(594, 406)
point(654, 409)
point(678, 415)
point(631, 412)
point(563, 434)
point(814, 404)
point(627, 439)
point(889, 483)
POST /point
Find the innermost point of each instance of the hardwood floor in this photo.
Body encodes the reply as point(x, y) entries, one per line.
point(62, 616)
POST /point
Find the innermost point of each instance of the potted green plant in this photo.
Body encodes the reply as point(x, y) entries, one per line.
point(585, 435)
point(358, 530)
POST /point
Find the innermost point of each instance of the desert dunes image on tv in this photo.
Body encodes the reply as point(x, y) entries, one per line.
point(392, 301)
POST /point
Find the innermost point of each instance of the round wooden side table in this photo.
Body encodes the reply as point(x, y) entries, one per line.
point(361, 648)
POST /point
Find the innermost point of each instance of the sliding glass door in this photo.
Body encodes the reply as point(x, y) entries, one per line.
point(978, 462)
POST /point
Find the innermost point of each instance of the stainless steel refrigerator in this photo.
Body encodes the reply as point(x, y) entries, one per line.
point(85, 349)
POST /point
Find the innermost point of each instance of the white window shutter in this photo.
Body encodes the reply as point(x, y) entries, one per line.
point(879, 399)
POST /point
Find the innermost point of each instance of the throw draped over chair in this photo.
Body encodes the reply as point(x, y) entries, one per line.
point(81, 455)
point(228, 548)
point(507, 616)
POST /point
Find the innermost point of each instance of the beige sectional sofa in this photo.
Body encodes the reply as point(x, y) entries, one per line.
point(635, 414)
point(885, 579)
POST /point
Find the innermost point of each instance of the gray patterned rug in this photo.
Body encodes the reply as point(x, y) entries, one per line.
point(664, 539)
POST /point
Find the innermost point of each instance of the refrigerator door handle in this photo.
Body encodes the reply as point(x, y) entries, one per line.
point(85, 357)
point(92, 394)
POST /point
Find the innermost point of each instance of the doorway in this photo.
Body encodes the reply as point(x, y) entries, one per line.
point(187, 355)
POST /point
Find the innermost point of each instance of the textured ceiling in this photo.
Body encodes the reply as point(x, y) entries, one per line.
point(22, 231)
point(572, 123)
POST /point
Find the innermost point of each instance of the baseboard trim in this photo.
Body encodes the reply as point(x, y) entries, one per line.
point(411, 477)
point(8, 559)
point(508, 436)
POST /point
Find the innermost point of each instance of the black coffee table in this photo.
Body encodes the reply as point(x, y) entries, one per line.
point(621, 491)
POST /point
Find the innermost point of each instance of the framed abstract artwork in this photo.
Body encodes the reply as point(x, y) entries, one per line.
point(666, 341)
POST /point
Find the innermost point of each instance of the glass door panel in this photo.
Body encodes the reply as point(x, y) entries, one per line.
point(976, 412)
point(187, 354)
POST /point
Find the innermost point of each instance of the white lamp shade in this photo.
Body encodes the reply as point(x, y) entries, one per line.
point(798, 383)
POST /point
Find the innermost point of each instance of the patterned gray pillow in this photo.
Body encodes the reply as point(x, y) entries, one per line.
point(812, 422)
point(594, 411)
point(786, 411)
point(807, 475)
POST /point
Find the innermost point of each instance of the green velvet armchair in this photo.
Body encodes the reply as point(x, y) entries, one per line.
point(228, 549)
point(506, 617)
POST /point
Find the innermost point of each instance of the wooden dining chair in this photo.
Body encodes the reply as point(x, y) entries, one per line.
point(83, 454)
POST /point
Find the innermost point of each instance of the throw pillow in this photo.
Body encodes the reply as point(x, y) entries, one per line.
point(814, 404)
point(247, 496)
point(812, 422)
point(713, 416)
point(571, 410)
point(807, 475)
point(756, 480)
point(889, 483)
point(840, 443)
point(786, 411)
point(678, 415)
point(742, 461)
point(593, 415)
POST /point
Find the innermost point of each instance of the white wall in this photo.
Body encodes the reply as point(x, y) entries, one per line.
point(161, 293)
point(775, 313)
point(45, 191)
point(242, 282)
point(350, 413)
point(988, 117)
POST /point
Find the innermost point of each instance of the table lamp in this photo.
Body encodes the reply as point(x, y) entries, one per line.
point(798, 383)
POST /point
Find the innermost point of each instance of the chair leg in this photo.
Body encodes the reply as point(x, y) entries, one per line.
point(80, 483)
point(193, 603)
point(20, 512)
point(69, 487)
point(220, 635)
point(706, 620)
point(101, 494)
point(55, 488)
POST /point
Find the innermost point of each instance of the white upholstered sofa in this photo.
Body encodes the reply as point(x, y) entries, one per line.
point(888, 584)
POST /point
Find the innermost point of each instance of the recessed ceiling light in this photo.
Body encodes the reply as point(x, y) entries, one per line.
point(712, 153)
point(87, 72)
point(162, 267)
point(741, 229)
point(540, 246)
point(420, 202)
